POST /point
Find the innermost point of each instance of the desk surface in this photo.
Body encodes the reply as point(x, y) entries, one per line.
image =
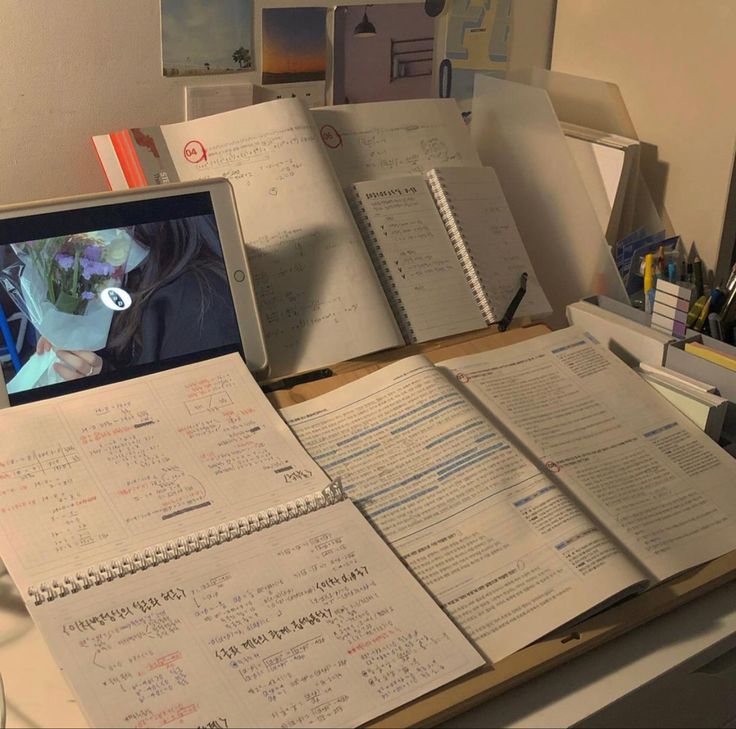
point(37, 694)
point(651, 676)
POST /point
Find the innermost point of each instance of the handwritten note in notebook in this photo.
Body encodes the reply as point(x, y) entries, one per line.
point(421, 273)
point(166, 602)
point(479, 220)
point(446, 249)
point(309, 622)
point(93, 475)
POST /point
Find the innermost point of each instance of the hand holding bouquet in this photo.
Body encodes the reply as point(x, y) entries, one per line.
point(75, 268)
point(57, 282)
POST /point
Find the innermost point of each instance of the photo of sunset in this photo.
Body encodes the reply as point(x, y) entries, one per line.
point(294, 43)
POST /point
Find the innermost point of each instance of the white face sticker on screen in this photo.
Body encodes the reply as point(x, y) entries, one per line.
point(115, 298)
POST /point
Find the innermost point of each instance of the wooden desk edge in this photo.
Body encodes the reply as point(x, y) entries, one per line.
point(558, 647)
point(456, 346)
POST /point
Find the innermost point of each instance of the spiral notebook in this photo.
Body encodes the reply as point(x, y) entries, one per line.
point(189, 564)
point(446, 249)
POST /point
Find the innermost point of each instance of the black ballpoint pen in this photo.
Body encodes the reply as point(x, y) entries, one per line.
point(503, 324)
point(288, 382)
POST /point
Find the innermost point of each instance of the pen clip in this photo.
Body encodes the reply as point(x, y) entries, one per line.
point(505, 321)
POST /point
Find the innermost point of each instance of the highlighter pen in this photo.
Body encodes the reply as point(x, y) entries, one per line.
point(698, 276)
point(703, 315)
point(714, 326)
point(648, 282)
point(672, 272)
point(730, 288)
point(728, 317)
point(717, 298)
point(695, 311)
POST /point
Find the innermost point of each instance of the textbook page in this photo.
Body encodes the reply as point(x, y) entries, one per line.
point(389, 138)
point(661, 486)
point(506, 553)
point(418, 266)
point(311, 622)
point(95, 475)
point(319, 297)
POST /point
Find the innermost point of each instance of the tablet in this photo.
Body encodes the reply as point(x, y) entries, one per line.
point(105, 287)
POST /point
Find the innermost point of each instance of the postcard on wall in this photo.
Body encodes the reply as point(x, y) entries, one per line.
point(474, 37)
point(382, 53)
point(201, 37)
point(293, 45)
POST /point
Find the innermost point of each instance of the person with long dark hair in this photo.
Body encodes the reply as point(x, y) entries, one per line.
point(180, 302)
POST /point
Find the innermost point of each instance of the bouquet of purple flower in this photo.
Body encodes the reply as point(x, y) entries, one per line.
point(57, 283)
point(76, 267)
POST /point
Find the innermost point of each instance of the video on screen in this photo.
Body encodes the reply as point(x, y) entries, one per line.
point(98, 305)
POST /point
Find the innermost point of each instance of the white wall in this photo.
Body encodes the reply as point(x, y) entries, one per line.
point(74, 68)
point(675, 63)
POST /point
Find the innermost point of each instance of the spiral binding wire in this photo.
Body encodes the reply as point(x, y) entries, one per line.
point(382, 268)
point(183, 546)
point(457, 238)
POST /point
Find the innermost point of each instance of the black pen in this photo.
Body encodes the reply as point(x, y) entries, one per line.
point(288, 382)
point(503, 325)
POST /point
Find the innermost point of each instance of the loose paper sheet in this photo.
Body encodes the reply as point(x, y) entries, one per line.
point(318, 295)
point(389, 138)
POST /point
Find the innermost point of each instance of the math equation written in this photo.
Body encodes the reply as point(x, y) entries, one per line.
point(308, 623)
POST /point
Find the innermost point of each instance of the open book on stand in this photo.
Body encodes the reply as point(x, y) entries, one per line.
point(528, 485)
point(446, 249)
point(320, 297)
point(189, 564)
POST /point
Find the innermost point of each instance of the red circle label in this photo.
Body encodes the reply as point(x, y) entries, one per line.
point(195, 152)
point(330, 136)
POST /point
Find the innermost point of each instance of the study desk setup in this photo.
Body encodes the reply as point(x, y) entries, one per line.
point(353, 480)
point(37, 694)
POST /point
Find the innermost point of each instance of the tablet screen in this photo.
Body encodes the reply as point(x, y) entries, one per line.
point(113, 291)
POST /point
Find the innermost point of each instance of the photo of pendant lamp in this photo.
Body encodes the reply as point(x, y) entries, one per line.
point(365, 28)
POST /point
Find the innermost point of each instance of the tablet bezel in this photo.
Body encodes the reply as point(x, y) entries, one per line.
point(231, 241)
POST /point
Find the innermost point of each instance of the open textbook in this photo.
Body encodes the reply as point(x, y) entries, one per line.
point(188, 563)
point(526, 485)
point(319, 294)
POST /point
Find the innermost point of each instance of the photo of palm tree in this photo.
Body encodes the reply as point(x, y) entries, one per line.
point(206, 36)
point(294, 45)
